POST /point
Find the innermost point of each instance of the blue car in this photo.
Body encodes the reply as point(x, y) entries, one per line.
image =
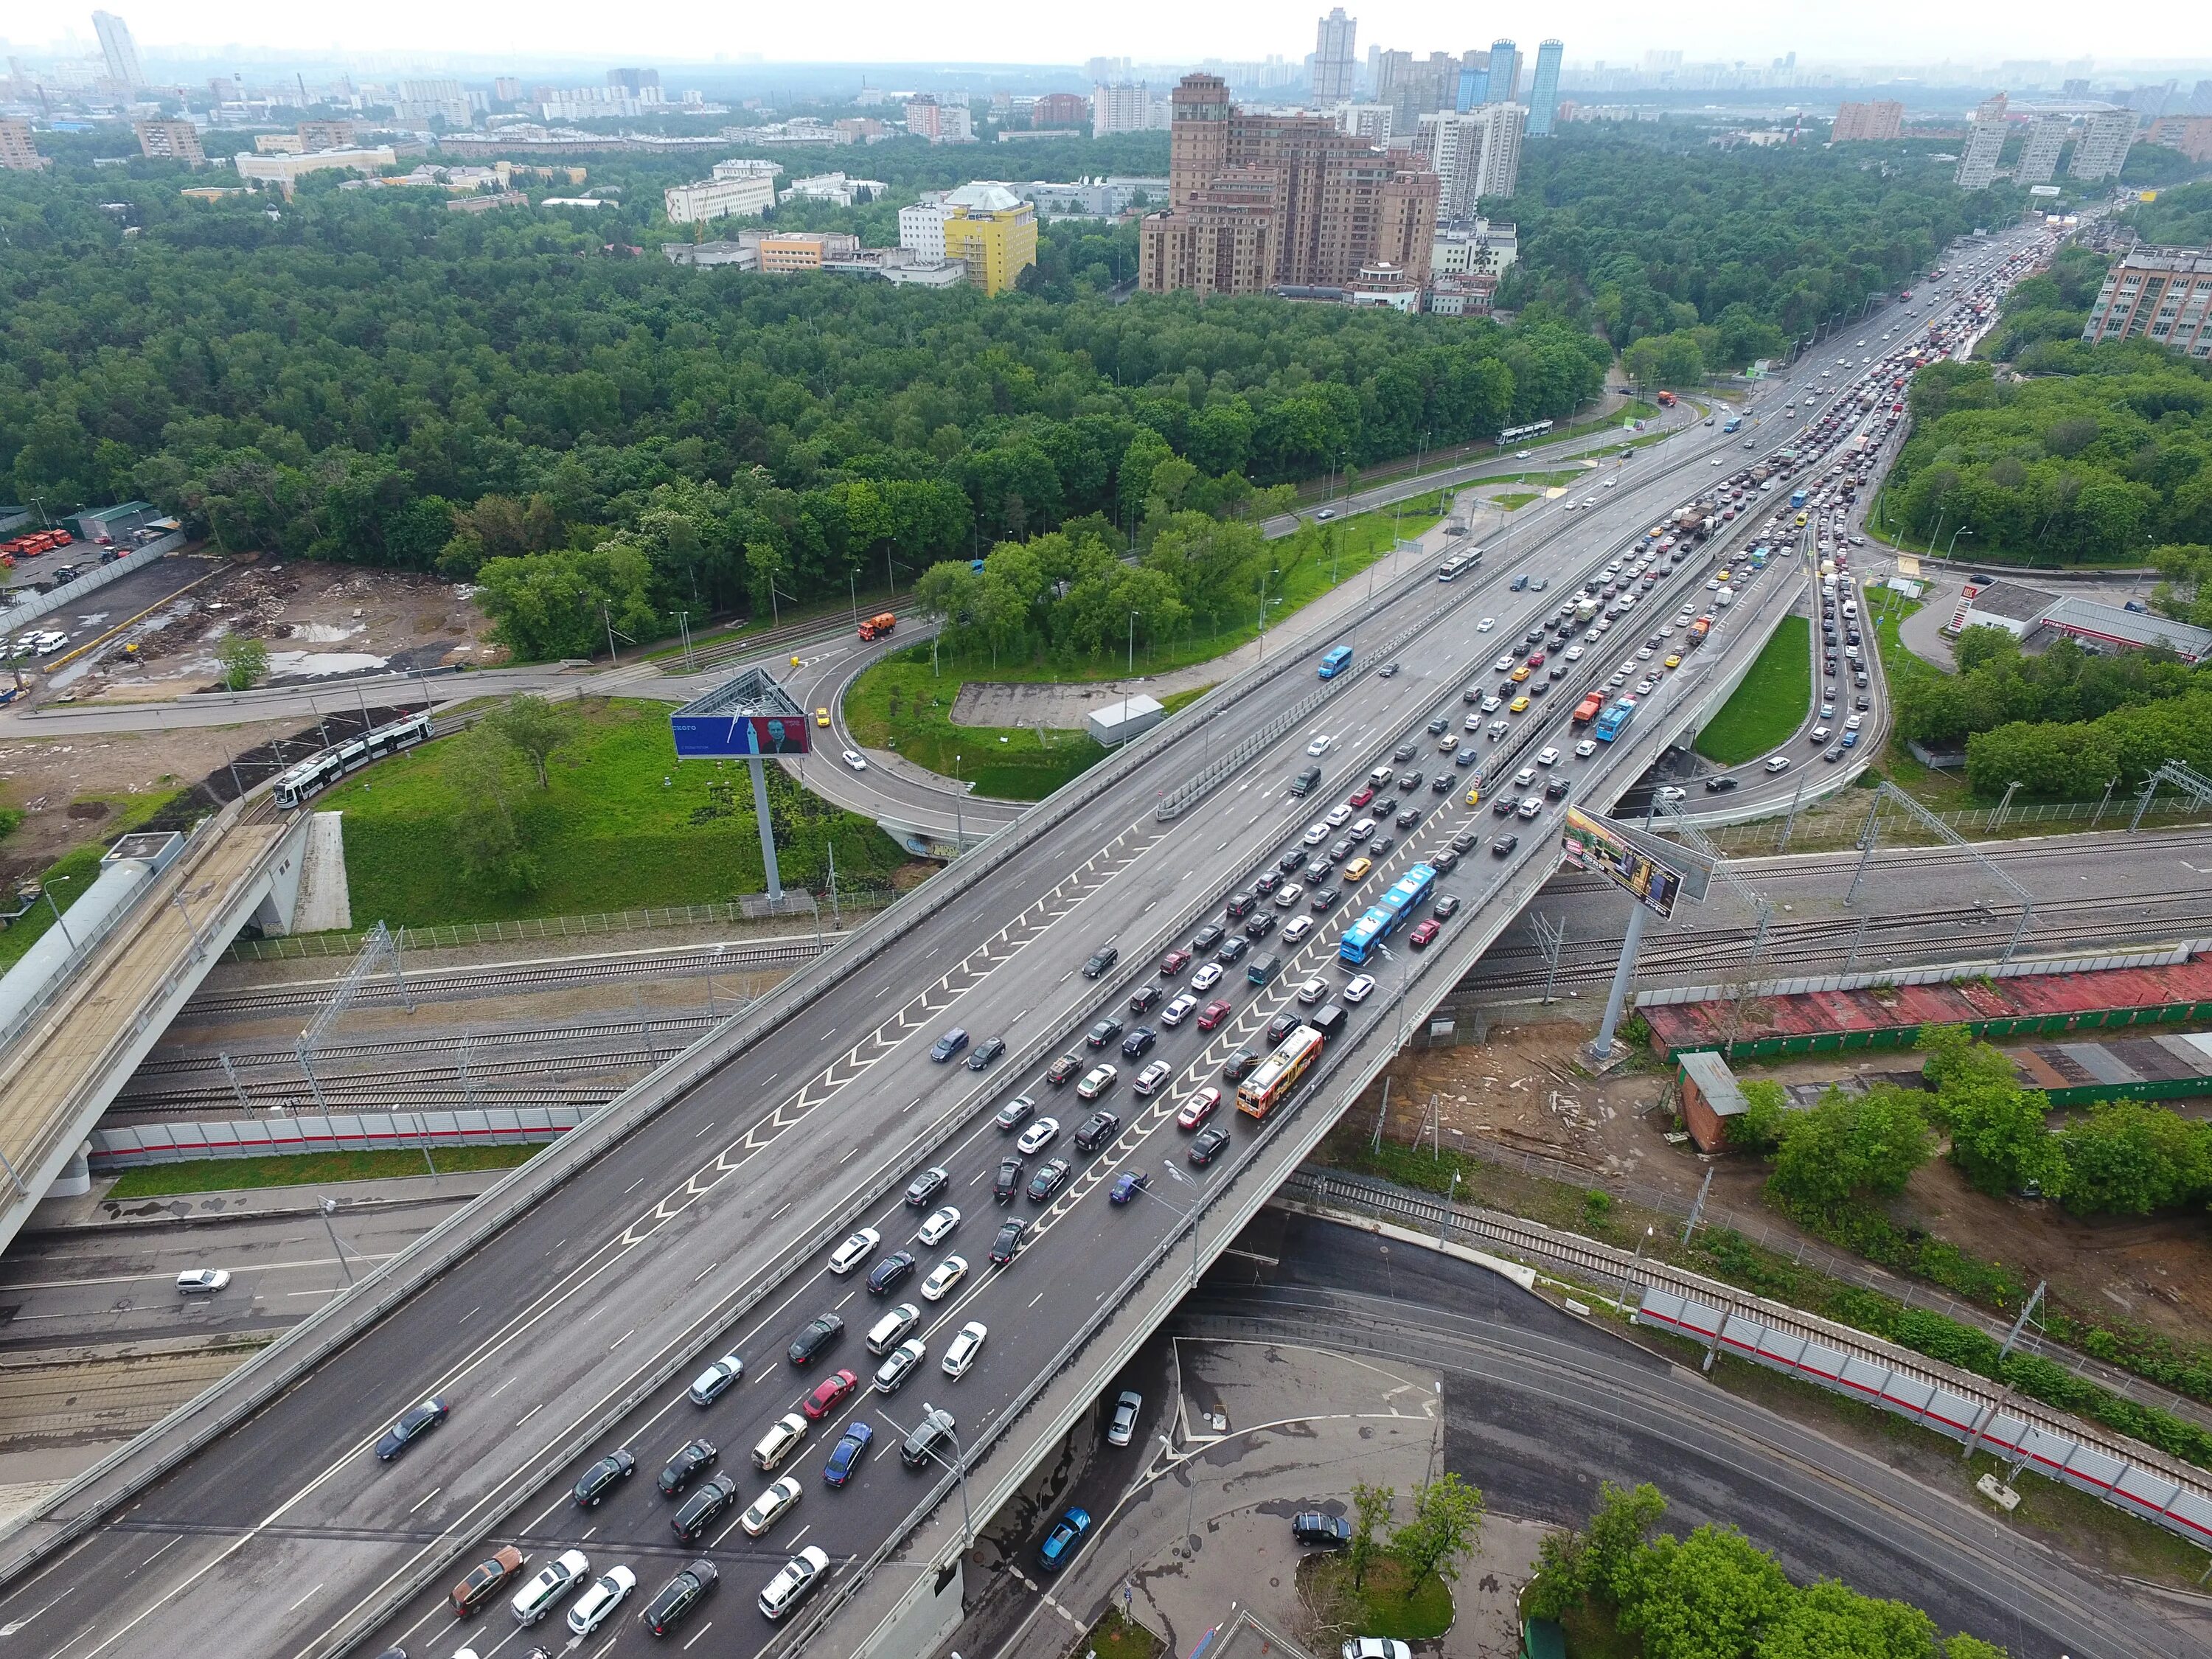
point(1128, 1185)
point(1064, 1539)
point(1851, 739)
point(847, 1455)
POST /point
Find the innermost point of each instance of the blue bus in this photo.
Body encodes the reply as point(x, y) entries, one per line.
point(1335, 662)
point(1404, 897)
point(1732, 423)
point(1609, 724)
point(1796, 498)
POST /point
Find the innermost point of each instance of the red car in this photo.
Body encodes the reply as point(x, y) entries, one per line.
point(1198, 1108)
point(1424, 934)
point(1173, 962)
point(828, 1393)
point(1212, 1014)
point(1536, 659)
point(1360, 798)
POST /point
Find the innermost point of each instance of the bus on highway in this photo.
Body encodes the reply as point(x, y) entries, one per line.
point(1610, 723)
point(1733, 423)
point(1336, 662)
point(1797, 498)
point(1279, 1074)
point(1393, 907)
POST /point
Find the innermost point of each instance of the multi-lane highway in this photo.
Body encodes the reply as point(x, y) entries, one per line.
point(570, 1332)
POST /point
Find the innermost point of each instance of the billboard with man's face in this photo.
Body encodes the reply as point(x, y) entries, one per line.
point(735, 737)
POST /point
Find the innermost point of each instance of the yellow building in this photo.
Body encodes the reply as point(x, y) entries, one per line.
point(994, 231)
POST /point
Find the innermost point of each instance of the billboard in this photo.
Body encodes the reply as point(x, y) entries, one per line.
point(1600, 845)
point(731, 737)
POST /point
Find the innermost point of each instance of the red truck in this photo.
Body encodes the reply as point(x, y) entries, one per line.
point(877, 626)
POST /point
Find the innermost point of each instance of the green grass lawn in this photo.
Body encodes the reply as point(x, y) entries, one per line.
point(1770, 705)
point(1381, 1607)
point(68, 876)
point(1513, 500)
point(223, 1175)
point(1117, 1637)
point(621, 826)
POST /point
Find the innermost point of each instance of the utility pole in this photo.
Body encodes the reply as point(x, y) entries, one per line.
point(1985, 1419)
point(1697, 1209)
point(329, 1207)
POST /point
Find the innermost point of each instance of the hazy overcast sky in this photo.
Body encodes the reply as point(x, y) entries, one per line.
point(1021, 31)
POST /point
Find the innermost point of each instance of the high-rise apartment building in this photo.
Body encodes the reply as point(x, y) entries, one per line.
point(2039, 159)
point(1985, 137)
point(946, 122)
point(2189, 134)
point(1473, 81)
point(507, 89)
point(1373, 122)
point(118, 49)
point(422, 102)
point(17, 153)
point(2163, 294)
point(169, 141)
point(1544, 90)
point(1878, 122)
point(642, 84)
point(1126, 107)
point(1474, 153)
point(327, 135)
point(1335, 72)
point(1261, 201)
point(922, 225)
point(1504, 73)
point(2106, 137)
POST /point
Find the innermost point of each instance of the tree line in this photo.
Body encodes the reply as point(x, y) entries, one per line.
point(1692, 259)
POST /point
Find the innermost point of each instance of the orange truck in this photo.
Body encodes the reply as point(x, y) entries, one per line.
point(877, 626)
point(1586, 710)
point(1698, 629)
point(1666, 400)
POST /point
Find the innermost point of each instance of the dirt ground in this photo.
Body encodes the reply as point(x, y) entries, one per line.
point(53, 780)
point(317, 620)
point(1521, 1089)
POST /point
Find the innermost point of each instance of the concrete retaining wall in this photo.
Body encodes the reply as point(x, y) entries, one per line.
point(130, 1146)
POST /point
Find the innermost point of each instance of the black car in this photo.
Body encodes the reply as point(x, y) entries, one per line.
point(414, 1423)
point(1721, 786)
point(1240, 1065)
point(1439, 725)
point(1318, 871)
point(1101, 960)
point(1096, 1130)
point(1441, 784)
point(1404, 752)
point(680, 1598)
point(1207, 1144)
point(1138, 1041)
point(1015, 1112)
point(1384, 808)
point(1412, 782)
point(1340, 850)
point(1380, 845)
point(1464, 842)
point(1291, 858)
point(1862, 705)
point(986, 1051)
point(1269, 880)
point(922, 1192)
point(1325, 898)
point(698, 1513)
point(1062, 1069)
point(1280, 1027)
point(1329, 1531)
point(891, 1272)
point(1008, 1243)
point(806, 1347)
point(1103, 1032)
point(1444, 862)
point(1052, 1175)
point(602, 1477)
point(1557, 789)
point(1502, 807)
point(1447, 908)
point(1408, 817)
point(1009, 1180)
point(695, 1458)
point(1258, 927)
point(1207, 937)
point(1504, 845)
point(932, 1436)
point(948, 1045)
point(1232, 950)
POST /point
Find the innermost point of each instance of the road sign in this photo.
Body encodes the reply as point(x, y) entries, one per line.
point(1656, 873)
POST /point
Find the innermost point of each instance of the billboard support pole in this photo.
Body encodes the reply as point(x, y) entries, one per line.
point(1602, 1048)
point(767, 832)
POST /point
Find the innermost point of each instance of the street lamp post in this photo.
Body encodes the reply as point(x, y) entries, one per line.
point(1134, 615)
point(1962, 530)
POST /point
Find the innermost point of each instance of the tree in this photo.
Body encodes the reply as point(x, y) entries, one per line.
point(1617, 1532)
point(1963, 1646)
point(1829, 1620)
point(1851, 1147)
point(1447, 1516)
point(1708, 1596)
point(535, 727)
point(1759, 1126)
point(1371, 1508)
point(244, 658)
point(482, 767)
point(2129, 1157)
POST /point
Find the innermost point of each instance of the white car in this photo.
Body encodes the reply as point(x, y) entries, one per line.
point(943, 1280)
point(1486, 624)
point(1338, 816)
point(1504, 665)
point(1548, 756)
point(1612, 482)
point(1312, 991)
point(1586, 748)
point(1521, 454)
point(1153, 1078)
point(1206, 977)
point(938, 1228)
point(1297, 928)
point(771, 1506)
point(547, 1585)
point(717, 1380)
point(851, 758)
point(1490, 705)
point(792, 1580)
point(781, 1440)
point(1574, 653)
point(1038, 1136)
point(1524, 777)
point(1358, 988)
point(1318, 745)
point(1375, 1647)
point(596, 1605)
point(965, 1348)
point(854, 1250)
point(202, 1281)
point(1778, 763)
point(1316, 834)
point(1184, 1005)
point(899, 1364)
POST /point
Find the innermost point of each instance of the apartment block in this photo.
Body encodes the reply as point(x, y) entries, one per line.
point(2038, 158)
point(1261, 200)
point(327, 135)
point(422, 102)
point(1544, 90)
point(1473, 154)
point(922, 225)
point(746, 197)
point(2106, 138)
point(1866, 124)
point(1126, 107)
point(17, 153)
point(1985, 137)
point(169, 141)
point(2162, 295)
point(1336, 69)
point(1056, 110)
point(948, 123)
point(2189, 134)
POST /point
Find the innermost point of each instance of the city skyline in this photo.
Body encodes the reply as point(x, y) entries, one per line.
point(1885, 32)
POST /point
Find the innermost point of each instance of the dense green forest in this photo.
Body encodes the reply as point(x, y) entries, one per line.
point(2179, 217)
point(2043, 315)
point(1717, 256)
point(366, 376)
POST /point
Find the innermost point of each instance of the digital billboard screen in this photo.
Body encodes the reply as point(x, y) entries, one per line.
point(1593, 843)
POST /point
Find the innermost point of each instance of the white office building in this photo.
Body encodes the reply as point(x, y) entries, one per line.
point(921, 226)
point(745, 197)
point(2106, 137)
point(118, 49)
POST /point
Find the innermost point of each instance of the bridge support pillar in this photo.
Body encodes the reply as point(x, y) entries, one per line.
point(767, 832)
point(1602, 1048)
point(76, 1179)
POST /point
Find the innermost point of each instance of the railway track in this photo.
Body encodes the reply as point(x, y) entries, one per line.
point(443, 1045)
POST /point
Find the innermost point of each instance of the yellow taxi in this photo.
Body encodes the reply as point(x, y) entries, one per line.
point(1358, 869)
point(1673, 659)
point(1519, 674)
point(1519, 705)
